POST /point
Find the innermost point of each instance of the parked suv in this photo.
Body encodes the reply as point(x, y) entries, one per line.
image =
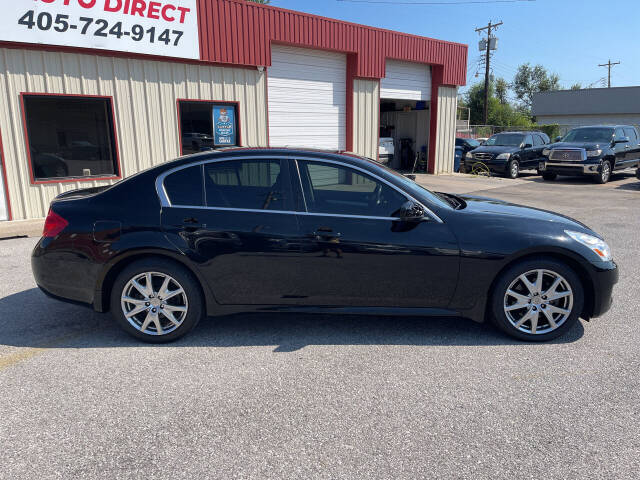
point(509, 152)
point(592, 151)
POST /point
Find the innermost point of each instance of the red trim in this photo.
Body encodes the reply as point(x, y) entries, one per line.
point(266, 98)
point(4, 179)
point(350, 114)
point(214, 102)
point(436, 82)
point(34, 181)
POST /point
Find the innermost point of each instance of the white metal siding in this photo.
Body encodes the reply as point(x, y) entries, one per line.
point(144, 99)
point(307, 98)
point(446, 131)
point(366, 118)
point(406, 81)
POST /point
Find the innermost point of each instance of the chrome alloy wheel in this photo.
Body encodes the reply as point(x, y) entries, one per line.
point(514, 169)
point(154, 303)
point(538, 302)
point(605, 174)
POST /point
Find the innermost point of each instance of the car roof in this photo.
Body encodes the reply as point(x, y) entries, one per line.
point(603, 126)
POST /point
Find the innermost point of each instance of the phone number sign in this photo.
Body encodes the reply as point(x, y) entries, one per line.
point(167, 28)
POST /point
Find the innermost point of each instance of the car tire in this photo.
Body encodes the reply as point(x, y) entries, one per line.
point(513, 169)
point(548, 176)
point(605, 173)
point(158, 319)
point(546, 318)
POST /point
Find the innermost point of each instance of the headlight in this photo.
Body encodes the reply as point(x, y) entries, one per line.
point(594, 153)
point(546, 152)
point(503, 156)
point(469, 155)
point(597, 246)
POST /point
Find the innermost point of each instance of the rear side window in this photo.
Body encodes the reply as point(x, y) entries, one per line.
point(245, 184)
point(631, 133)
point(184, 187)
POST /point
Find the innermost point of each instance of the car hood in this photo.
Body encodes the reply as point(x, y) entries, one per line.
point(498, 208)
point(495, 149)
point(585, 145)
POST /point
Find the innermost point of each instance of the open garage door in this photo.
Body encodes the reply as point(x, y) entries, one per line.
point(406, 81)
point(307, 98)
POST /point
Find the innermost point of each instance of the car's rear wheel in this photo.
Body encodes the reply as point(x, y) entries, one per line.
point(605, 173)
point(548, 176)
point(156, 300)
point(513, 169)
point(537, 300)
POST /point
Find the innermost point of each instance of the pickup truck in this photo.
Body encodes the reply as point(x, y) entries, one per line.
point(592, 151)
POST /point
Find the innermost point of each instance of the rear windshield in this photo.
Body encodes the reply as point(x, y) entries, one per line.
point(505, 140)
point(600, 135)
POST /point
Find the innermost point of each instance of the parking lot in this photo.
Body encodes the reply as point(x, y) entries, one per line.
point(312, 396)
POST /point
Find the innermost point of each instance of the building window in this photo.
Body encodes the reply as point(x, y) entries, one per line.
point(206, 125)
point(70, 137)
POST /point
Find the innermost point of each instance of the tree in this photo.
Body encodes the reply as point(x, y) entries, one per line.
point(530, 80)
point(500, 113)
point(502, 86)
point(576, 86)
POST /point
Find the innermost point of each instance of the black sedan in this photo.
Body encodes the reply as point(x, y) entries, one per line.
point(306, 231)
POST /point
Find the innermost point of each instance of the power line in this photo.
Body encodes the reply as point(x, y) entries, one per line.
point(609, 65)
point(456, 2)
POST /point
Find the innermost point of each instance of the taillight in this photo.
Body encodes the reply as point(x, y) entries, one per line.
point(54, 224)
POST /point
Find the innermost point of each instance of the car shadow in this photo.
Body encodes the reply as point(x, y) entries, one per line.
point(30, 319)
point(579, 180)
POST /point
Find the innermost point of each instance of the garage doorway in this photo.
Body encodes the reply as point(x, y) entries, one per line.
point(405, 98)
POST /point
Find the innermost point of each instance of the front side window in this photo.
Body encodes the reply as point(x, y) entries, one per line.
point(245, 184)
point(340, 190)
point(631, 133)
point(538, 140)
point(207, 125)
point(70, 137)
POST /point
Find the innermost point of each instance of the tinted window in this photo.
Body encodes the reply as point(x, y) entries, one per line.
point(70, 136)
point(631, 133)
point(538, 140)
point(251, 184)
point(341, 190)
point(619, 133)
point(528, 140)
point(185, 187)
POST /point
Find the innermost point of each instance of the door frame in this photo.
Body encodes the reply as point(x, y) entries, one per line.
point(7, 198)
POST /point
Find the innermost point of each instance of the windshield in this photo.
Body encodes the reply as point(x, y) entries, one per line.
point(505, 140)
point(598, 135)
point(472, 142)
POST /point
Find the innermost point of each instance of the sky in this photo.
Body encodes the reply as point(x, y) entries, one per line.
point(568, 37)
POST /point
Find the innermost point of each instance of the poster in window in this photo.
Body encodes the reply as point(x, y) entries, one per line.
point(224, 125)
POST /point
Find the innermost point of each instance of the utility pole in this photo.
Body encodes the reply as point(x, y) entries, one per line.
point(488, 28)
point(609, 65)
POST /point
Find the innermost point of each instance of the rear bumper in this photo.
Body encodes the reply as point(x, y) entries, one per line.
point(603, 282)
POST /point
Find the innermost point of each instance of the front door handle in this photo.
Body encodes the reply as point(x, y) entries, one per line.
point(191, 220)
point(325, 232)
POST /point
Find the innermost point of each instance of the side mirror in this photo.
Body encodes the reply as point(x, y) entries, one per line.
point(558, 138)
point(621, 140)
point(526, 145)
point(411, 212)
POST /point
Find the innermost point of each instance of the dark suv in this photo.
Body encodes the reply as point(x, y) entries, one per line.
point(592, 151)
point(507, 153)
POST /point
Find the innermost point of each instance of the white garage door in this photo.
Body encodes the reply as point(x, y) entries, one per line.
point(307, 98)
point(406, 81)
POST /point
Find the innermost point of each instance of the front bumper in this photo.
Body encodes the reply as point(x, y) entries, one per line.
point(570, 168)
point(604, 280)
point(497, 166)
point(638, 173)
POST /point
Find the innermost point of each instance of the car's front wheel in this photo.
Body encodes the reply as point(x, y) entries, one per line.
point(513, 169)
point(605, 173)
point(156, 300)
point(537, 300)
